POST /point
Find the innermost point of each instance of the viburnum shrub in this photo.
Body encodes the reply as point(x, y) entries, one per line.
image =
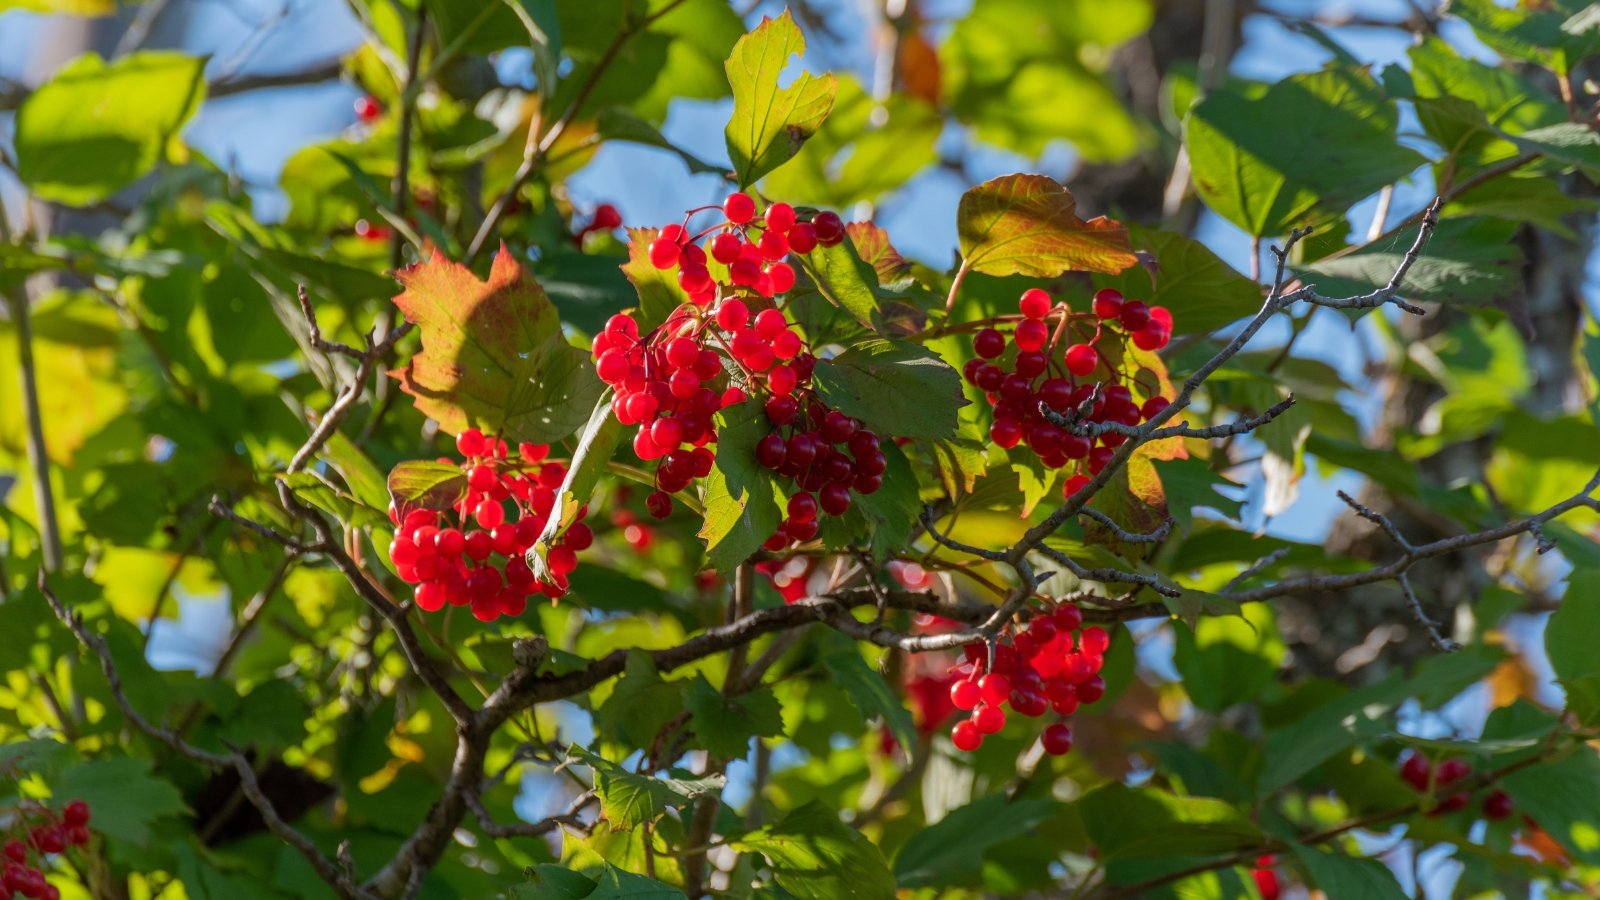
point(35, 835)
point(473, 554)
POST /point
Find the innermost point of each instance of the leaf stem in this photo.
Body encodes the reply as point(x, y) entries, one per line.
point(955, 285)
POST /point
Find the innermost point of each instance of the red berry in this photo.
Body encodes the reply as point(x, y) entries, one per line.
point(1151, 337)
point(725, 247)
point(1057, 739)
point(1108, 303)
point(802, 507)
point(966, 736)
point(659, 504)
point(1497, 805)
point(1082, 359)
point(739, 208)
point(732, 315)
point(834, 498)
point(1153, 407)
point(769, 323)
point(989, 719)
point(996, 688)
point(606, 217)
point(782, 277)
point(562, 559)
point(367, 108)
point(771, 451)
point(965, 694)
point(802, 238)
point(1453, 770)
point(1005, 432)
point(830, 228)
point(1135, 315)
point(470, 443)
point(989, 343)
point(1073, 485)
point(781, 409)
point(780, 217)
point(1094, 641)
point(16, 851)
point(664, 254)
point(1035, 303)
point(1031, 334)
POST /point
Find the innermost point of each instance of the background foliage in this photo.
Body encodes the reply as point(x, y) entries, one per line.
point(151, 288)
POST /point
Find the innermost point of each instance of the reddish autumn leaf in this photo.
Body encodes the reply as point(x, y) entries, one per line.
point(916, 67)
point(872, 245)
point(492, 355)
point(1029, 225)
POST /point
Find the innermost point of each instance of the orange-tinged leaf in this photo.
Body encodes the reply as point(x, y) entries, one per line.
point(493, 356)
point(872, 245)
point(917, 67)
point(1029, 225)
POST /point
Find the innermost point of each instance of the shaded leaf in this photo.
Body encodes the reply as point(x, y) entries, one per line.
point(629, 800)
point(870, 693)
point(424, 484)
point(814, 856)
point(897, 389)
point(950, 852)
point(725, 725)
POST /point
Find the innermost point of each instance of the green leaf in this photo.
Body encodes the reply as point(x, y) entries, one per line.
point(1557, 35)
point(490, 25)
point(1568, 635)
point(1562, 797)
point(658, 289)
point(641, 704)
point(424, 484)
point(125, 797)
point(1203, 292)
point(897, 389)
point(629, 800)
point(870, 694)
point(814, 856)
point(93, 128)
point(619, 884)
point(1191, 604)
point(1022, 74)
point(552, 882)
point(1348, 876)
point(890, 512)
point(949, 853)
point(1029, 225)
point(1466, 261)
point(1229, 660)
point(744, 504)
point(846, 280)
point(493, 355)
point(597, 444)
point(1572, 144)
point(1130, 823)
point(770, 123)
point(1190, 484)
point(725, 725)
point(1331, 142)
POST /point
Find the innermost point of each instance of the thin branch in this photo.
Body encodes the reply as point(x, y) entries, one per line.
point(1108, 575)
point(1183, 429)
point(1129, 537)
point(1256, 568)
point(294, 545)
point(38, 456)
point(1439, 641)
point(314, 330)
point(325, 868)
point(317, 74)
point(569, 817)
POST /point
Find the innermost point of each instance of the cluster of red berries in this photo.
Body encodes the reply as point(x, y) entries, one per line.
point(1266, 878)
point(1422, 775)
point(48, 835)
point(1019, 375)
point(484, 567)
point(828, 456)
point(752, 250)
point(1051, 665)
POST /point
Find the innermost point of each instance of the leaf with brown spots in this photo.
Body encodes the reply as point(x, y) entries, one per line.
point(493, 356)
point(1029, 225)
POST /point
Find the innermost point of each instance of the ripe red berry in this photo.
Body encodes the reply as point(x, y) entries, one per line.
point(16, 851)
point(772, 450)
point(781, 409)
point(988, 343)
point(802, 238)
point(659, 504)
point(965, 736)
point(1031, 334)
point(834, 498)
point(769, 322)
point(996, 688)
point(1453, 770)
point(1057, 739)
point(470, 443)
point(739, 208)
point(782, 277)
point(1151, 337)
point(965, 694)
point(989, 719)
point(1135, 315)
point(1497, 805)
point(830, 228)
point(606, 217)
point(75, 813)
point(1005, 433)
point(367, 109)
point(732, 315)
point(664, 254)
point(1035, 303)
point(1108, 303)
point(780, 217)
point(1082, 359)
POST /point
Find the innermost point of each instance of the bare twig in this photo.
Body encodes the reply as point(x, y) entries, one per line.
point(294, 545)
point(569, 817)
point(1439, 641)
point(1129, 537)
point(1256, 568)
point(325, 868)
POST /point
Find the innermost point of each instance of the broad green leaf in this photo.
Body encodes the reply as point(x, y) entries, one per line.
point(1202, 291)
point(1572, 144)
point(897, 389)
point(949, 853)
point(425, 484)
point(845, 279)
point(80, 388)
point(1022, 74)
point(480, 28)
point(1557, 35)
point(890, 512)
point(641, 704)
point(1537, 201)
point(597, 444)
point(1029, 225)
point(658, 289)
point(1229, 660)
point(94, 128)
point(770, 123)
point(725, 725)
point(553, 882)
point(1466, 261)
point(126, 799)
point(629, 800)
point(865, 149)
point(744, 504)
point(814, 856)
point(493, 355)
point(1190, 484)
point(1191, 604)
point(870, 694)
point(358, 470)
point(1332, 142)
point(1566, 636)
point(1131, 823)
point(1348, 876)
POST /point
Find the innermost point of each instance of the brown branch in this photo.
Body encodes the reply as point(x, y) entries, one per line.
point(529, 829)
point(227, 87)
point(325, 868)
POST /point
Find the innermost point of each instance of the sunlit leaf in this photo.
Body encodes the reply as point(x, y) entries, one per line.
point(770, 123)
point(1029, 225)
